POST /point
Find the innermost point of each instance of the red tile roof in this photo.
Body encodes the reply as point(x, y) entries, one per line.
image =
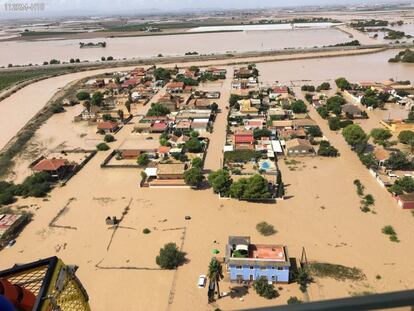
point(107, 125)
point(159, 125)
point(164, 149)
point(49, 165)
point(175, 85)
point(243, 138)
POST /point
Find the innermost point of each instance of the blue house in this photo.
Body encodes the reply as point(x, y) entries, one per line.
point(247, 262)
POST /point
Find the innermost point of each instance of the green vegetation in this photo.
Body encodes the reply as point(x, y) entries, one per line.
point(406, 56)
point(193, 177)
point(401, 185)
point(406, 137)
point(337, 272)
point(259, 133)
point(255, 187)
point(327, 150)
point(369, 23)
point(334, 123)
point(194, 145)
point(380, 136)
point(146, 231)
point(157, 110)
point(293, 300)
point(323, 112)
point(241, 155)
point(395, 35)
point(170, 257)
point(308, 88)
point(220, 181)
point(264, 289)
point(162, 74)
point(323, 86)
point(303, 278)
point(343, 84)
point(265, 229)
point(314, 131)
point(83, 95)
point(10, 78)
point(143, 160)
point(389, 230)
point(102, 147)
point(360, 187)
point(109, 138)
point(197, 162)
point(298, 107)
point(215, 274)
point(350, 43)
point(355, 136)
point(398, 161)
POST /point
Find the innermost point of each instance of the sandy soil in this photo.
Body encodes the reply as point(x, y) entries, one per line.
point(322, 214)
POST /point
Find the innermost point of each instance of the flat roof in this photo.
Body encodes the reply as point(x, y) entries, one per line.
point(262, 251)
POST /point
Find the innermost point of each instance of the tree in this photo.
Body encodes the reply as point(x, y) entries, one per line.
point(170, 257)
point(193, 177)
point(368, 159)
point(158, 110)
point(197, 162)
point(238, 188)
point(314, 131)
point(255, 187)
point(128, 106)
point(220, 181)
point(380, 136)
point(71, 61)
point(109, 138)
point(83, 95)
point(334, 124)
point(194, 145)
point(326, 150)
point(264, 289)
point(162, 74)
point(397, 160)
point(265, 229)
point(303, 278)
point(324, 86)
point(143, 160)
point(355, 135)
point(120, 113)
point(214, 107)
point(294, 301)
point(405, 137)
point(323, 112)
point(259, 133)
point(215, 273)
point(298, 106)
point(102, 147)
point(343, 84)
point(97, 99)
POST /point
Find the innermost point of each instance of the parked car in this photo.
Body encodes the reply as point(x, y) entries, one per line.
point(201, 281)
point(11, 243)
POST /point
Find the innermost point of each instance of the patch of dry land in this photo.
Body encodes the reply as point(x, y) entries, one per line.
point(118, 269)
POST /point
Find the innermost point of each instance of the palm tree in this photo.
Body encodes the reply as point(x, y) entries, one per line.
point(215, 273)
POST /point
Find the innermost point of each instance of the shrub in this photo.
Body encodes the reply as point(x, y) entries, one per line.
point(241, 155)
point(146, 231)
point(170, 257)
point(57, 108)
point(143, 160)
point(388, 230)
point(405, 137)
point(109, 138)
point(265, 229)
point(294, 301)
point(83, 95)
point(102, 147)
point(264, 289)
point(197, 162)
point(337, 272)
point(193, 177)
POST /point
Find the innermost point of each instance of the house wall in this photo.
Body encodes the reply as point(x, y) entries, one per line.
point(406, 205)
point(271, 273)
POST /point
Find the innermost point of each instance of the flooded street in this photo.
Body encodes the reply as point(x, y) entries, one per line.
point(167, 45)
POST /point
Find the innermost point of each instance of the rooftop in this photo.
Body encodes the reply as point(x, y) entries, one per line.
point(49, 165)
point(261, 251)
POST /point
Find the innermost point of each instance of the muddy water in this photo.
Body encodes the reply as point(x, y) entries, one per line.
point(372, 67)
point(16, 52)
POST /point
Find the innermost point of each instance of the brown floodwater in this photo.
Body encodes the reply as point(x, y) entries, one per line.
point(16, 52)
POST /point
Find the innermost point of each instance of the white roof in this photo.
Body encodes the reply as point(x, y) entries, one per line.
point(201, 120)
point(176, 150)
point(277, 146)
point(228, 148)
point(151, 171)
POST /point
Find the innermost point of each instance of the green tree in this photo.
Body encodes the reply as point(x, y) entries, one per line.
point(194, 145)
point(97, 99)
point(215, 273)
point(303, 278)
point(397, 160)
point(264, 289)
point(380, 136)
point(193, 177)
point(368, 159)
point(406, 183)
point(334, 124)
point(343, 84)
point(294, 301)
point(120, 113)
point(323, 112)
point(162, 74)
point(102, 147)
point(109, 138)
point(158, 110)
point(355, 135)
point(324, 86)
point(214, 107)
point(128, 106)
point(170, 257)
point(143, 160)
point(238, 188)
point(298, 106)
point(405, 137)
point(197, 162)
point(83, 95)
point(220, 181)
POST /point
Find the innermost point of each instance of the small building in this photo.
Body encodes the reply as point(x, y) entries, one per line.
point(164, 151)
point(243, 140)
point(247, 262)
point(57, 168)
point(159, 127)
point(170, 102)
point(352, 111)
point(175, 87)
point(108, 126)
point(299, 147)
point(171, 171)
point(382, 155)
point(406, 201)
